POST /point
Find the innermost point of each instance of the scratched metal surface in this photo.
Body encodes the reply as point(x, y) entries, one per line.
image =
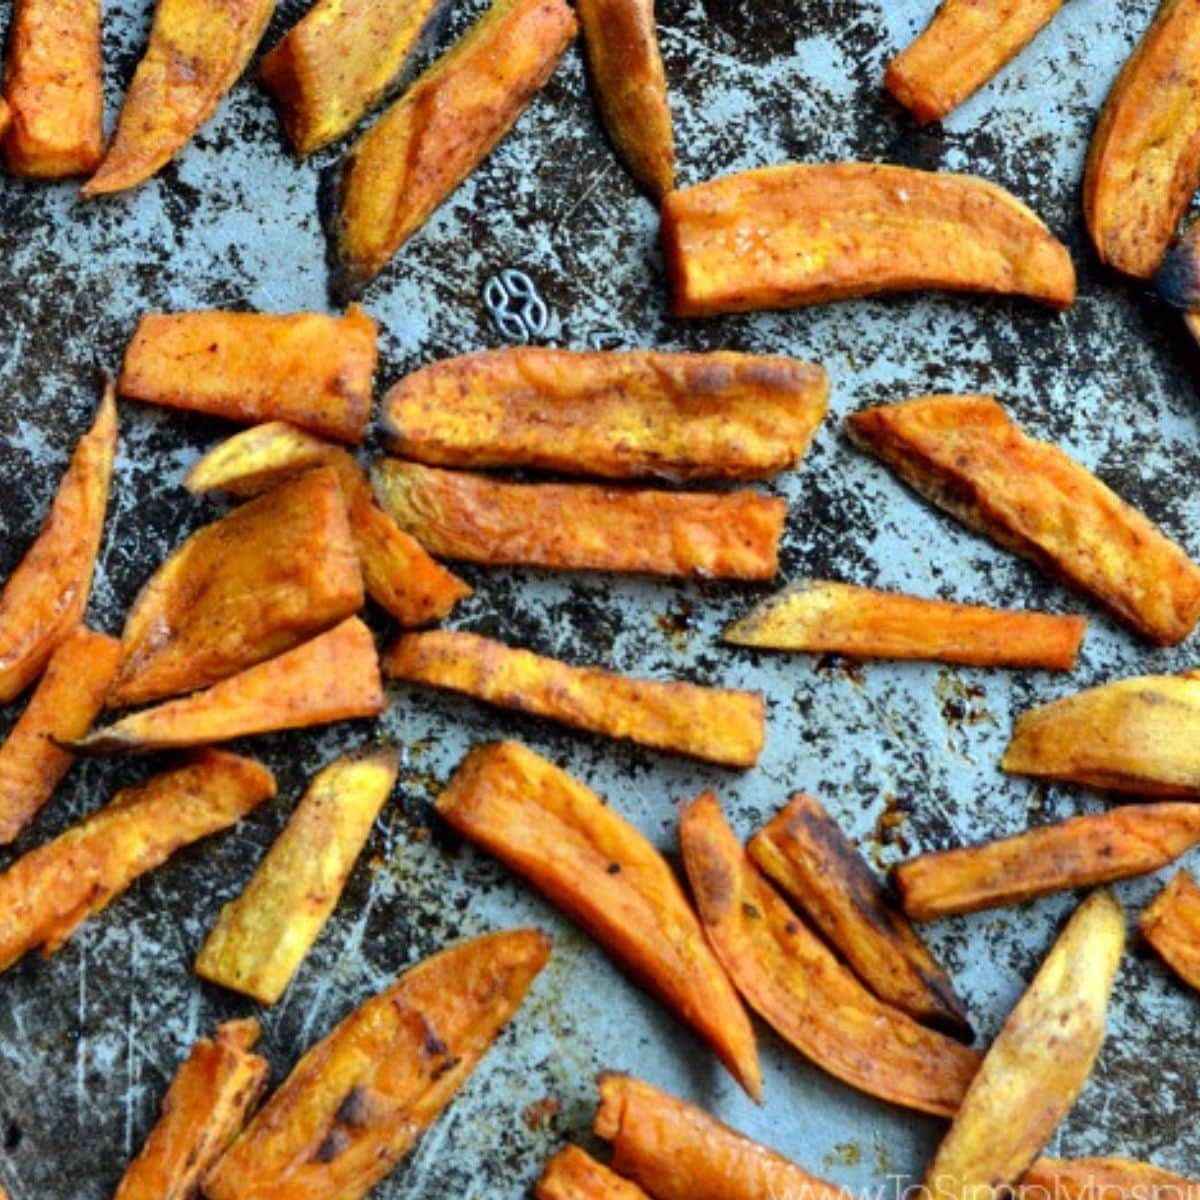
point(905, 755)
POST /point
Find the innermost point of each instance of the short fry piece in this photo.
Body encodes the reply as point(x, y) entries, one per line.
point(306, 368)
point(565, 526)
point(603, 874)
point(572, 1174)
point(822, 617)
point(261, 938)
point(1102, 1179)
point(355, 1103)
point(1171, 924)
point(209, 1101)
point(806, 854)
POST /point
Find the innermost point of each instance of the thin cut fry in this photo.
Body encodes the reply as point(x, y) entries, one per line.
point(1102, 1179)
point(1171, 924)
point(603, 874)
point(355, 1103)
point(574, 1175)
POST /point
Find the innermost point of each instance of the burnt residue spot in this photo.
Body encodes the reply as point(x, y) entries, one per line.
point(338, 1142)
point(13, 1136)
point(355, 1108)
point(448, 1065)
point(541, 1113)
point(678, 622)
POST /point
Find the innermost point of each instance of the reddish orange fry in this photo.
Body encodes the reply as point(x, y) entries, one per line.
point(5, 123)
point(1102, 1179)
point(574, 1175)
point(1171, 924)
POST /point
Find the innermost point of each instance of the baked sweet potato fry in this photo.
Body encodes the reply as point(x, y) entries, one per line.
point(205, 1108)
point(5, 124)
point(1102, 1179)
point(821, 617)
point(1040, 1060)
point(308, 369)
point(806, 854)
point(262, 936)
point(332, 677)
point(46, 895)
point(782, 237)
point(355, 1103)
point(439, 131)
point(1171, 924)
point(964, 454)
point(67, 700)
point(572, 1174)
point(45, 597)
point(603, 874)
point(583, 527)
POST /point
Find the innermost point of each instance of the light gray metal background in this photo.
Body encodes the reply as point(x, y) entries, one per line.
point(905, 755)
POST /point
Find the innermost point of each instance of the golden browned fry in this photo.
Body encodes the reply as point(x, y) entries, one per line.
point(1171, 924)
point(261, 937)
point(332, 677)
point(355, 1103)
point(45, 597)
point(439, 131)
point(817, 866)
point(781, 237)
point(308, 369)
point(794, 982)
point(46, 895)
point(637, 414)
point(577, 526)
point(1040, 1060)
point(573, 1174)
point(714, 724)
point(606, 876)
point(964, 454)
point(66, 702)
point(1102, 1179)
point(205, 1108)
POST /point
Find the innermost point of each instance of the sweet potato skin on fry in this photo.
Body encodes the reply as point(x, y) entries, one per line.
point(1171, 924)
point(1102, 1179)
point(573, 1174)
point(603, 874)
point(782, 237)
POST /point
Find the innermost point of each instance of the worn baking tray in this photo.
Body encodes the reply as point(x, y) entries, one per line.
point(905, 755)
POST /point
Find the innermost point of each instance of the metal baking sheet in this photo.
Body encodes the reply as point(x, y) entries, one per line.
point(905, 755)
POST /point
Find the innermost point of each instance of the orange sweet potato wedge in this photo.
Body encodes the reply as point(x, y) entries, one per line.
point(572, 1174)
point(618, 415)
point(67, 700)
point(357, 1101)
point(205, 1108)
point(964, 454)
point(782, 237)
point(603, 874)
point(439, 131)
point(1171, 924)
point(806, 854)
point(45, 597)
point(333, 677)
point(582, 527)
point(1102, 1179)
point(305, 368)
point(794, 982)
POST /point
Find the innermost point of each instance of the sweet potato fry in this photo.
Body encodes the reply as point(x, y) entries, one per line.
point(66, 702)
point(793, 981)
point(439, 131)
point(306, 368)
point(333, 677)
point(782, 237)
point(805, 853)
point(261, 938)
point(964, 454)
point(356, 1102)
point(713, 724)
point(603, 874)
point(5, 124)
point(822, 617)
point(1102, 1179)
point(1040, 1060)
point(637, 414)
point(577, 526)
point(1171, 924)
point(573, 1174)
point(46, 895)
point(45, 597)
point(209, 1101)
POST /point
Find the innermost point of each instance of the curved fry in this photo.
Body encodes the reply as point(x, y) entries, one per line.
point(1171, 924)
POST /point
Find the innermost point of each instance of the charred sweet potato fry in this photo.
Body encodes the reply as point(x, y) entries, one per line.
point(603, 874)
point(1102, 1179)
point(305, 368)
point(805, 853)
point(577, 526)
point(573, 1174)
point(836, 618)
point(1171, 924)
point(261, 938)
point(964, 454)
point(782, 237)
point(332, 677)
point(637, 414)
point(45, 597)
point(1040, 1060)
point(439, 131)
point(67, 700)
point(355, 1103)
point(46, 895)
point(205, 1108)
